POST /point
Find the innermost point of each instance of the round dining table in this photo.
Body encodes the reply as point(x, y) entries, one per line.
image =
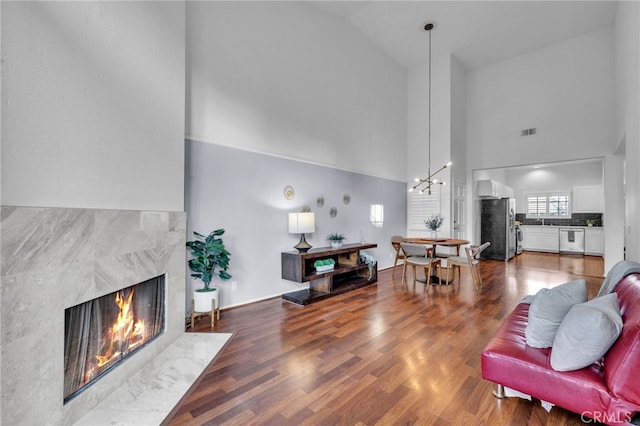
point(446, 242)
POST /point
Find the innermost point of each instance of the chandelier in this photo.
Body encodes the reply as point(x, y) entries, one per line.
point(424, 184)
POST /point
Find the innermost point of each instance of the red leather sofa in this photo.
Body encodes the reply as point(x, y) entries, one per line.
point(607, 391)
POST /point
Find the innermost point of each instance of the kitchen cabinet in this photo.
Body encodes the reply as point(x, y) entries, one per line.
point(490, 188)
point(531, 237)
point(593, 241)
point(540, 238)
point(550, 239)
point(588, 199)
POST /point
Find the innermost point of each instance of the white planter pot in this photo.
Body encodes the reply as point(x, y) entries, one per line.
point(336, 245)
point(202, 299)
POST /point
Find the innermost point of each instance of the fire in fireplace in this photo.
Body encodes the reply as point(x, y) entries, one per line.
point(101, 333)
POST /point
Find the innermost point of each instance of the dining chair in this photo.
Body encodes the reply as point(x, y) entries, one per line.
point(418, 255)
point(471, 259)
point(396, 240)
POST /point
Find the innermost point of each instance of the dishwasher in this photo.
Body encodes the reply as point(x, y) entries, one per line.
point(571, 241)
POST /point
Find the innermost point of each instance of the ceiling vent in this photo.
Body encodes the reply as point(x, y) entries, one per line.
point(527, 132)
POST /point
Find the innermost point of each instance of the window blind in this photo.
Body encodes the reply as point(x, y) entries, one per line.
point(421, 206)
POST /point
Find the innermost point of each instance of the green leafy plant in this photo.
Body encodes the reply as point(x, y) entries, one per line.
point(336, 237)
point(324, 262)
point(209, 257)
point(434, 222)
point(591, 222)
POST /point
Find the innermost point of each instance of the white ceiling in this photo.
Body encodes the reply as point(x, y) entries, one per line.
point(477, 33)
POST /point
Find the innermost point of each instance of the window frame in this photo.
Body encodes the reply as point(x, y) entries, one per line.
point(547, 203)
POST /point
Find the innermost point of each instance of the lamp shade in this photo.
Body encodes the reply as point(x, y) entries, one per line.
point(302, 223)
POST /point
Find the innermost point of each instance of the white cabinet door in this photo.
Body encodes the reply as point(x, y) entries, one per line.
point(587, 199)
point(550, 239)
point(593, 241)
point(531, 238)
point(540, 238)
point(488, 188)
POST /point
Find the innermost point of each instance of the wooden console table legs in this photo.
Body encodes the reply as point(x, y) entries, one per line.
point(215, 312)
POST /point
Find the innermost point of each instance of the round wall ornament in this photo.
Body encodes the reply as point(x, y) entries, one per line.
point(346, 199)
point(333, 212)
point(289, 193)
point(320, 201)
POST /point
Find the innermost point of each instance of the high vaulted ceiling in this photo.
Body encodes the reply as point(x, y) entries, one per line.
point(477, 33)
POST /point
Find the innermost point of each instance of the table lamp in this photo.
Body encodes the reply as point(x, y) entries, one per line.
point(301, 223)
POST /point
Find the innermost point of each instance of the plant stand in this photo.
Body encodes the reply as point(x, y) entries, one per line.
point(215, 312)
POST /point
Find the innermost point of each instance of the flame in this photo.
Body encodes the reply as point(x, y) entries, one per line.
point(124, 334)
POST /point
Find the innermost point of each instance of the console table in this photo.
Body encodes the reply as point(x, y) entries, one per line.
point(348, 273)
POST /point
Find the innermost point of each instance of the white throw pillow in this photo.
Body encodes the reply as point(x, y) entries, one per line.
point(586, 333)
point(548, 308)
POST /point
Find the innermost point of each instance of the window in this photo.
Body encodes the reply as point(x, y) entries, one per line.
point(548, 205)
point(421, 206)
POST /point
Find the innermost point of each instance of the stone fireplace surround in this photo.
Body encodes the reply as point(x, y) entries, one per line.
point(54, 258)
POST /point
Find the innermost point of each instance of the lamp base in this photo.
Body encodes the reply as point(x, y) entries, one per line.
point(302, 246)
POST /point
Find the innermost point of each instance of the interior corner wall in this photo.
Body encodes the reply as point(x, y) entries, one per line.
point(291, 80)
point(93, 104)
point(627, 54)
point(458, 120)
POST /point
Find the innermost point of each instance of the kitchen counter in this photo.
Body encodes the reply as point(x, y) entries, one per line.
point(545, 238)
point(563, 226)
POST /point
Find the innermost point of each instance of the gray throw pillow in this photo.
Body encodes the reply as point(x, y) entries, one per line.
point(548, 308)
point(586, 333)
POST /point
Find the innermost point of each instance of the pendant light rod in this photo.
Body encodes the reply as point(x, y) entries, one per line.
point(428, 27)
point(428, 181)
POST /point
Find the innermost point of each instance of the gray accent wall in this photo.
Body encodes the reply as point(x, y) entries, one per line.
point(243, 192)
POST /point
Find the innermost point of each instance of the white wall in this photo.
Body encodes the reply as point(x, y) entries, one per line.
point(627, 129)
point(561, 177)
point(93, 104)
point(566, 91)
point(287, 79)
point(458, 120)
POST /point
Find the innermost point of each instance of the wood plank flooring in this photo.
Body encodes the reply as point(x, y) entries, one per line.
point(387, 354)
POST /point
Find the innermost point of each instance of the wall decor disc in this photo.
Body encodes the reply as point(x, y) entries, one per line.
point(306, 209)
point(320, 201)
point(333, 212)
point(289, 193)
point(346, 199)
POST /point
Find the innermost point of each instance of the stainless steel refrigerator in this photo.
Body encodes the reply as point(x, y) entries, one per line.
point(497, 225)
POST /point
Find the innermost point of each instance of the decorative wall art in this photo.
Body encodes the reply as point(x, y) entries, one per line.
point(289, 193)
point(333, 212)
point(320, 201)
point(346, 199)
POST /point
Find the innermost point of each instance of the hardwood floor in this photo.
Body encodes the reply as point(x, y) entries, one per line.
point(385, 354)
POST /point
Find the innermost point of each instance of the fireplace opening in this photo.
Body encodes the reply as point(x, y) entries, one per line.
point(101, 333)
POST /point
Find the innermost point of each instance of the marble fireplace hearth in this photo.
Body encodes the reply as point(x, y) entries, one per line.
point(55, 258)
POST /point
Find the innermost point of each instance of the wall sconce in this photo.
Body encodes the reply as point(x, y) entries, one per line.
point(376, 215)
point(302, 223)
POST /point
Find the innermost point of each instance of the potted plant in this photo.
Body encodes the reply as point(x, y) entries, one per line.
point(209, 258)
point(591, 222)
point(324, 265)
point(336, 240)
point(433, 223)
